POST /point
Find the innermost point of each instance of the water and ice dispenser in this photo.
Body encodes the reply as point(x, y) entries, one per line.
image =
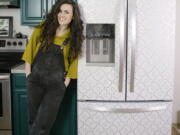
point(100, 44)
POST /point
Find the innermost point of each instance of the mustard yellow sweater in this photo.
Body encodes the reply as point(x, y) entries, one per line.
point(33, 47)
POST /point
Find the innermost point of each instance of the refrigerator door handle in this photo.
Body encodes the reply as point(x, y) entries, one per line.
point(133, 26)
point(126, 110)
point(123, 25)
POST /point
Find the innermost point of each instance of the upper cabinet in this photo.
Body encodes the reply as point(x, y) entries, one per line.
point(14, 3)
point(34, 11)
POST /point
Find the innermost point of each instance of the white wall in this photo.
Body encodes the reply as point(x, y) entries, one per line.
point(176, 101)
point(17, 27)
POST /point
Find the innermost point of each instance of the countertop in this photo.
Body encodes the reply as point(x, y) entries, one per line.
point(18, 69)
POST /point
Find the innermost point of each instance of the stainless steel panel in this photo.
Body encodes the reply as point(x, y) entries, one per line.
point(5, 120)
point(4, 77)
point(12, 44)
point(100, 44)
point(100, 51)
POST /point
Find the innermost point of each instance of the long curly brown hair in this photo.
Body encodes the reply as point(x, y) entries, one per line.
point(50, 25)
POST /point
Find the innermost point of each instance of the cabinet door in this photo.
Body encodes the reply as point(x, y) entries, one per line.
point(151, 45)
point(66, 122)
point(15, 3)
point(32, 11)
point(20, 123)
point(19, 104)
point(103, 82)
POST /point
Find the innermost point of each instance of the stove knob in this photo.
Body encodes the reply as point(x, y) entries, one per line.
point(9, 43)
point(20, 43)
point(14, 43)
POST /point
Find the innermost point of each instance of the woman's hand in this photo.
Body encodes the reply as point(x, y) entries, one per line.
point(27, 74)
point(67, 81)
point(27, 68)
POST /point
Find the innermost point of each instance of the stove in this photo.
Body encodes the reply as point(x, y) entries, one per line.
point(11, 50)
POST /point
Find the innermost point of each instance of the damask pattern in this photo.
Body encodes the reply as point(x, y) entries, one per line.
point(155, 50)
point(154, 64)
point(154, 71)
point(104, 123)
point(99, 82)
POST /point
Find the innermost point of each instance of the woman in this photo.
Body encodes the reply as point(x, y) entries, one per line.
point(51, 60)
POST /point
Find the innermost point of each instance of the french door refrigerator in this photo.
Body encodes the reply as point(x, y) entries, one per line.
point(126, 71)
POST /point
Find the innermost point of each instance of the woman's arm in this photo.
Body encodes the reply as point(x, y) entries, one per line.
point(72, 71)
point(27, 68)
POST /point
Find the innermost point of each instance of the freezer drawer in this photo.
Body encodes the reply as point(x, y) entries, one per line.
point(124, 118)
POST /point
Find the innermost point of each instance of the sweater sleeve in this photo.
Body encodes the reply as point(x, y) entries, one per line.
point(29, 52)
point(72, 71)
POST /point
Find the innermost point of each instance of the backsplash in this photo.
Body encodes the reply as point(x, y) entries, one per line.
point(17, 27)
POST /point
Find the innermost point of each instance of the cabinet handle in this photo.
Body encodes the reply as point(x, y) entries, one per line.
point(126, 110)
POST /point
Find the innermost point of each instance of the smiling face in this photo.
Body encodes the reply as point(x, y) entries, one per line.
point(65, 14)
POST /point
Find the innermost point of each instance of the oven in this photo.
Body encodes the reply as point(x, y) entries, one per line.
point(5, 104)
point(11, 51)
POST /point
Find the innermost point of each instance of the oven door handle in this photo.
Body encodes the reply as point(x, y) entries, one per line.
point(4, 77)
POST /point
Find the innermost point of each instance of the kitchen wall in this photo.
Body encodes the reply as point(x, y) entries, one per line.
point(16, 21)
point(176, 104)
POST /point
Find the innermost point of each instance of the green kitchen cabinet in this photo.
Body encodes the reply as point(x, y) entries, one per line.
point(15, 3)
point(34, 11)
point(19, 104)
point(66, 122)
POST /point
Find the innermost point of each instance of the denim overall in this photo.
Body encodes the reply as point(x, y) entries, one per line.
point(46, 89)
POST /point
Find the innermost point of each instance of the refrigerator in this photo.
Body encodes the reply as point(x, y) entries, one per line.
point(126, 70)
